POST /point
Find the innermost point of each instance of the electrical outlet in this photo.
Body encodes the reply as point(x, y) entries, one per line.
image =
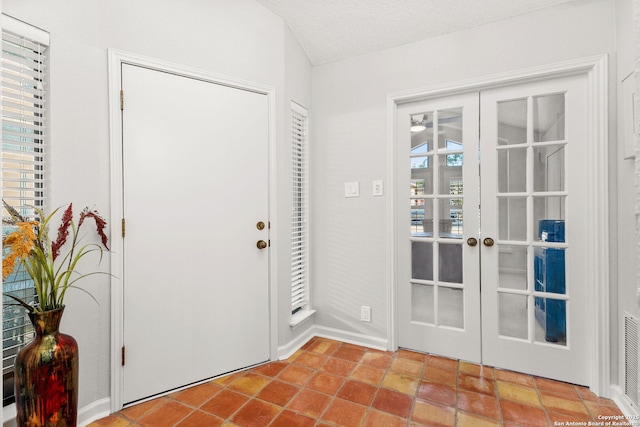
point(365, 313)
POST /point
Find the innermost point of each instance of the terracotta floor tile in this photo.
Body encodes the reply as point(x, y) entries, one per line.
point(312, 360)
point(197, 395)
point(565, 388)
point(358, 392)
point(400, 382)
point(433, 415)
point(478, 403)
point(564, 406)
point(256, 413)
point(477, 370)
point(110, 421)
point(344, 413)
point(137, 411)
point(596, 409)
point(438, 393)
point(339, 367)
point(332, 384)
point(296, 374)
point(442, 363)
point(470, 420)
point(250, 383)
point(289, 419)
point(407, 366)
point(522, 415)
point(278, 392)
point(325, 383)
point(377, 418)
point(309, 402)
point(324, 346)
point(378, 360)
point(270, 369)
point(477, 384)
point(199, 419)
point(412, 355)
point(225, 403)
point(393, 402)
point(561, 419)
point(349, 352)
point(518, 393)
point(368, 374)
point(441, 376)
point(165, 415)
point(514, 377)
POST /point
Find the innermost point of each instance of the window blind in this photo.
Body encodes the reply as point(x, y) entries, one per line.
point(299, 224)
point(23, 166)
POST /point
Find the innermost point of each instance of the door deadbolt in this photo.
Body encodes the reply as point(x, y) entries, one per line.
point(260, 225)
point(261, 244)
point(488, 241)
point(472, 241)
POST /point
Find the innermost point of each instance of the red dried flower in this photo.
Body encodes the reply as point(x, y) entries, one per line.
point(101, 224)
point(63, 231)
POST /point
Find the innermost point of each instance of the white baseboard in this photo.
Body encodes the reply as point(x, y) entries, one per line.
point(94, 411)
point(625, 404)
point(86, 415)
point(285, 351)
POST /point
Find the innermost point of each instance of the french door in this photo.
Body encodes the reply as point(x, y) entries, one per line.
point(491, 195)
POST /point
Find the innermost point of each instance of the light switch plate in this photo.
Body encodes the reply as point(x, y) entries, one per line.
point(351, 189)
point(377, 188)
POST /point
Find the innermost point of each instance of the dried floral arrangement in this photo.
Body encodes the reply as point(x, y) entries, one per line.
point(51, 264)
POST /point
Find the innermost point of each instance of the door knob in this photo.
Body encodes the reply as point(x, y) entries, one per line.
point(488, 241)
point(260, 225)
point(472, 241)
point(261, 244)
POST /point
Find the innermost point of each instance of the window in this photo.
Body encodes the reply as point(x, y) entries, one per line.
point(23, 166)
point(299, 219)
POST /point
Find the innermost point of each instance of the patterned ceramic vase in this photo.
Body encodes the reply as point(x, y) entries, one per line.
point(46, 375)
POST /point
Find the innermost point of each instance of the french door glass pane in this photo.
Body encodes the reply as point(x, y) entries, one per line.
point(547, 208)
point(551, 321)
point(450, 129)
point(548, 117)
point(450, 263)
point(512, 170)
point(450, 307)
point(513, 315)
point(512, 218)
point(422, 260)
point(548, 172)
point(512, 267)
point(512, 119)
point(422, 303)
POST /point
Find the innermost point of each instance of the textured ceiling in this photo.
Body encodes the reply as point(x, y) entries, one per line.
point(331, 30)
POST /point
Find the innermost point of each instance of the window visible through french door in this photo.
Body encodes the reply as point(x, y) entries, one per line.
point(24, 70)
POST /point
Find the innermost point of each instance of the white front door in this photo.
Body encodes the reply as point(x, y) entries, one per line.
point(195, 162)
point(498, 282)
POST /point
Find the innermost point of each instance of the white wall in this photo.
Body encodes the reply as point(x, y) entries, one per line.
point(240, 39)
point(624, 208)
point(350, 235)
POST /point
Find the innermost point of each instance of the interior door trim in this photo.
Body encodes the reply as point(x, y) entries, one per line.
point(595, 68)
point(115, 60)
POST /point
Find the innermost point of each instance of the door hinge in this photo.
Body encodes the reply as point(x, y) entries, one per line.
point(122, 355)
point(123, 227)
point(121, 100)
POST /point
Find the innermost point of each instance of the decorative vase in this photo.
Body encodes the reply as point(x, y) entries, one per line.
point(46, 375)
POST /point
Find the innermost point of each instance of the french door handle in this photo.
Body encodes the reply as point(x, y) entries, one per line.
point(472, 241)
point(261, 244)
point(488, 241)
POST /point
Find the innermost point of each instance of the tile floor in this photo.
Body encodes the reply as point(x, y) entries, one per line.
point(330, 383)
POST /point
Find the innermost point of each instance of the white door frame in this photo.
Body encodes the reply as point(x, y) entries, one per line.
point(115, 60)
point(595, 68)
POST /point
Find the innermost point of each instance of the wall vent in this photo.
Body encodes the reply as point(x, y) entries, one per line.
point(631, 349)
